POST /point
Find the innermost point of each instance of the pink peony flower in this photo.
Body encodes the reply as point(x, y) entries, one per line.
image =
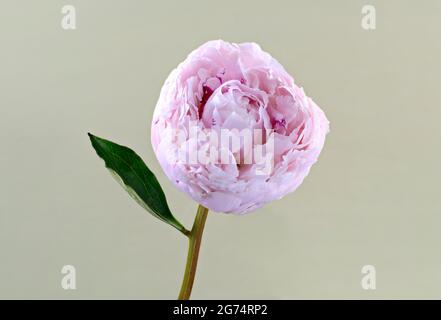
point(237, 88)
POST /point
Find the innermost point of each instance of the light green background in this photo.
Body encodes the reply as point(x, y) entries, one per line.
point(373, 197)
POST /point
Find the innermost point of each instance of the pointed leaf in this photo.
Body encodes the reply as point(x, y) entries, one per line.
point(136, 178)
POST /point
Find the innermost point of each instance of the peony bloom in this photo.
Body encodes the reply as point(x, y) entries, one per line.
point(237, 88)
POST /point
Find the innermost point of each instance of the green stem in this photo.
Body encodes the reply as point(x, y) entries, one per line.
point(194, 237)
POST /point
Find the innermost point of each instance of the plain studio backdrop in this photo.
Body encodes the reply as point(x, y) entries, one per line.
point(373, 198)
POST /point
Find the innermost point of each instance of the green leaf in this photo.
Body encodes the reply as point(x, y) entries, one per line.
point(136, 178)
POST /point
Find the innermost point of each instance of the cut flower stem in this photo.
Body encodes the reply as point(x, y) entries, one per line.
point(194, 237)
